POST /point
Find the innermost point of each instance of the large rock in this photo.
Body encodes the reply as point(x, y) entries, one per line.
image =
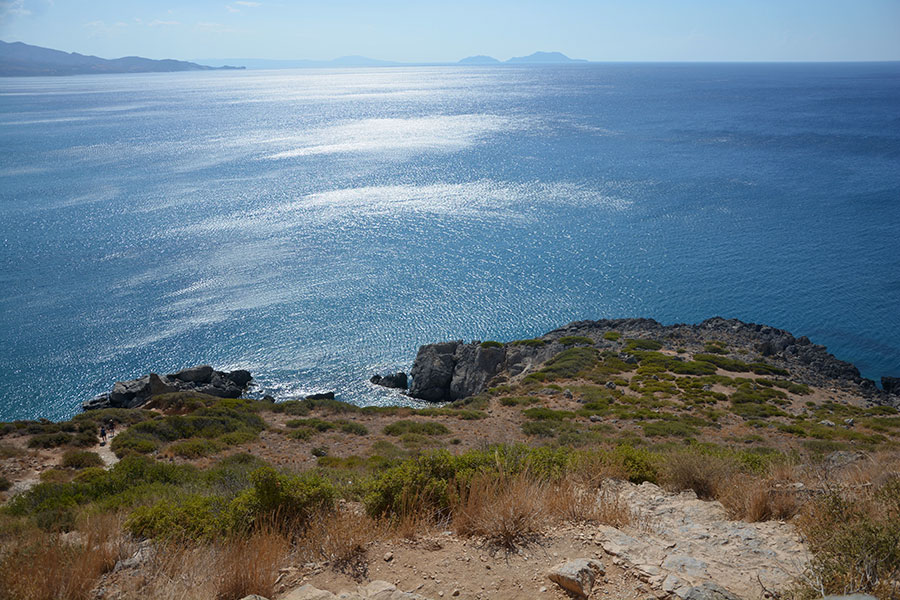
point(432, 371)
point(891, 385)
point(202, 379)
point(706, 591)
point(577, 576)
point(376, 590)
point(397, 380)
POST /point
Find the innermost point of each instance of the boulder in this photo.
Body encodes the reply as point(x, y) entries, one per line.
point(577, 576)
point(199, 374)
point(706, 591)
point(397, 380)
point(322, 396)
point(475, 366)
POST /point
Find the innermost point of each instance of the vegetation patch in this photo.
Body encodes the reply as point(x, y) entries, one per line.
point(398, 428)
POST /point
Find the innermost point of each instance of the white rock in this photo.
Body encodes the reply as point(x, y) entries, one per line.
point(577, 576)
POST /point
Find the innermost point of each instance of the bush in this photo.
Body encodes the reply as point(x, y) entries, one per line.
point(612, 336)
point(491, 344)
point(81, 459)
point(570, 363)
point(632, 344)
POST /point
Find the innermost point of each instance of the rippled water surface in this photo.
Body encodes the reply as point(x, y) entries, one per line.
point(317, 226)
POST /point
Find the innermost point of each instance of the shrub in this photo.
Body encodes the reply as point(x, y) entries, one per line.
point(612, 336)
point(542, 413)
point(531, 343)
point(570, 363)
point(491, 344)
point(518, 400)
point(632, 344)
point(668, 428)
point(81, 459)
point(195, 448)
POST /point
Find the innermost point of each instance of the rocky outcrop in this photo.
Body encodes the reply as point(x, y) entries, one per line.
point(202, 379)
point(397, 380)
point(452, 370)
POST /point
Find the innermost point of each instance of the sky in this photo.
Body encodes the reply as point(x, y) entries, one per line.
point(431, 31)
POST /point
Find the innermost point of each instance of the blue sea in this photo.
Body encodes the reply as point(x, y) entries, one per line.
point(317, 226)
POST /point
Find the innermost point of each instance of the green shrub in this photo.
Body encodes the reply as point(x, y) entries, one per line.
point(491, 344)
point(570, 363)
point(403, 427)
point(518, 400)
point(668, 428)
point(531, 343)
point(612, 336)
point(195, 448)
point(632, 344)
point(539, 428)
point(81, 459)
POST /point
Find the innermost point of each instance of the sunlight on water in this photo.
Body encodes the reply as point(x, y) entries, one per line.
point(317, 226)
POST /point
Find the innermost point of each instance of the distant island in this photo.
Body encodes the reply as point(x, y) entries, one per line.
point(18, 59)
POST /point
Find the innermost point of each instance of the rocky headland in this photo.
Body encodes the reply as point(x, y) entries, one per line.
point(613, 458)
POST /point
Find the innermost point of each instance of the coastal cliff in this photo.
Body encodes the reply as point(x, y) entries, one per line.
point(449, 371)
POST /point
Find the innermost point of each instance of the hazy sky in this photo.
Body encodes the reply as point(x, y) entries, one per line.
point(425, 31)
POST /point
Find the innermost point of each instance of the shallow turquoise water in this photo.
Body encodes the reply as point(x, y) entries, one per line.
point(316, 226)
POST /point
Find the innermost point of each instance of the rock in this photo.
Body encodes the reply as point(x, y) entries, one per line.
point(199, 374)
point(432, 371)
point(268, 398)
point(891, 385)
point(323, 396)
point(388, 556)
point(826, 423)
point(397, 380)
point(685, 564)
point(595, 418)
point(610, 385)
point(254, 597)
point(706, 591)
point(850, 597)
point(308, 592)
point(577, 576)
point(202, 379)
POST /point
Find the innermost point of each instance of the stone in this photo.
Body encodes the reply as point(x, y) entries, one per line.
point(158, 385)
point(388, 556)
point(685, 564)
point(826, 423)
point(705, 591)
point(199, 374)
point(322, 396)
point(850, 597)
point(577, 576)
point(308, 592)
point(397, 380)
point(254, 597)
point(240, 377)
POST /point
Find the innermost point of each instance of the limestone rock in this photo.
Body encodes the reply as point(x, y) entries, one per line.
point(254, 597)
point(397, 380)
point(577, 576)
point(308, 592)
point(706, 591)
point(432, 371)
point(203, 379)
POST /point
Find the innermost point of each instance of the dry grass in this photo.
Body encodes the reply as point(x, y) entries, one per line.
point(45, 566)
point(705, 474)
point(571, 501)
point(224, 570)
point(340, 539)
point(507, 511)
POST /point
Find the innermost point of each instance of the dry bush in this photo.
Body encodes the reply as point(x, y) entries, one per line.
point(250, 565)
point(340, 539)
point(756, 498)
point(702, 473)
point(416, 517)
point(854, 535)
point(223, 570)
point(507, 511)
point(45, 566)
point(571, 501)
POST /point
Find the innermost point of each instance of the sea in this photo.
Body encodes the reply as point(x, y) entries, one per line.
point(317, 226)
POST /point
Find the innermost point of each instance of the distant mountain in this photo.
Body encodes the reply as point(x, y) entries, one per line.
point(265, 63)
point(18, 59)
point(544, 58)
point(481, 59)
